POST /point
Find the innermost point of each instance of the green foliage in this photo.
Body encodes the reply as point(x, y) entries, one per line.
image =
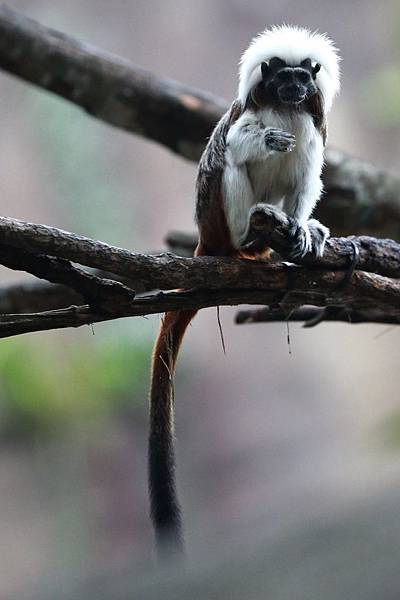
point(384, 106)
point(44, 384)
point(389, 432)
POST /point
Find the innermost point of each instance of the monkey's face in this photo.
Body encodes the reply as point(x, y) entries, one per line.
point(289, 85)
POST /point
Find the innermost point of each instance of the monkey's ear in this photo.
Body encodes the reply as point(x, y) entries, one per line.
point(306, 64)
point(257, 94)
point(277, 63)
point(265, 70)
point(315, 70)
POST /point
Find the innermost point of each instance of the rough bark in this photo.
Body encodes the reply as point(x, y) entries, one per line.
point(288, 286)
point(166, 271)
point(100, 293)
point(375, 255)
point(209, 281)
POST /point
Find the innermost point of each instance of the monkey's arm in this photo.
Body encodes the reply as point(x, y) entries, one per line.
point(308, 234)
point(248, 140)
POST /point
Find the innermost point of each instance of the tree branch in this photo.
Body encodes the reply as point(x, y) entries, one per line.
point(221, 280)
point(166, 271)
point(312, 315)
point(100, 293)
point(271, 226)
point(289, 285)
point(358, 197)
point(181, 242)
point(36, 296)
point(217, 280)
point(106, 86)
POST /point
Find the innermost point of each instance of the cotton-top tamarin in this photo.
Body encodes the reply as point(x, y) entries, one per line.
point(266, 149)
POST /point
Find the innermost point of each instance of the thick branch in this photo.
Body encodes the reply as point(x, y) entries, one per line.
point(271, 226)
point(358, 197)
point(106, 86)
point(98, 292)
point(364, 291)
point(375, 255)
point(165, 271)
point(222, 280)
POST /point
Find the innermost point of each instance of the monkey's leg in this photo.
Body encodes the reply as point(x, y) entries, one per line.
point(265, 219)
point(255, 241)
point(307, 235)
point(299, 205)
point(238, 198)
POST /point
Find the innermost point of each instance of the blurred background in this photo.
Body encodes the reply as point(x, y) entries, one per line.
point(274, 446)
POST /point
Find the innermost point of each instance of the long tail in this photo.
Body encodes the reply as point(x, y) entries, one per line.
point(165, 510)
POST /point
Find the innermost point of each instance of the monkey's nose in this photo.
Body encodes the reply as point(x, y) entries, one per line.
point(294, 89)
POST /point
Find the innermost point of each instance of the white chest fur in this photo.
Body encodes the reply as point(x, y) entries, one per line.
point(255, 173)
point(281, 173)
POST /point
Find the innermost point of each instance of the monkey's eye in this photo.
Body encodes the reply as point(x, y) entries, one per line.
point(284, 75)
point(304, 77)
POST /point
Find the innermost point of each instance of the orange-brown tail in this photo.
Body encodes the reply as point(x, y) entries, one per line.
point(165, 510)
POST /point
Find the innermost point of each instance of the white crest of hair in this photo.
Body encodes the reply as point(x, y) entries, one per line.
point(292, 44)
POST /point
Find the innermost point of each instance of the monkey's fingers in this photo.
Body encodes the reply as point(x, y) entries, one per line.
point(319, 235)
point(279, 140)
point(300, 239)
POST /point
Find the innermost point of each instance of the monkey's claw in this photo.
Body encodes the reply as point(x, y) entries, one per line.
point(299, 238)
point(319, 235)
point(279, 140)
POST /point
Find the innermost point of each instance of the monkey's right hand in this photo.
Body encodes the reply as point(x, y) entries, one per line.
point(279, 140)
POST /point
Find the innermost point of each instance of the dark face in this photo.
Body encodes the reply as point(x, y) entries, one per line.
point(287, 84)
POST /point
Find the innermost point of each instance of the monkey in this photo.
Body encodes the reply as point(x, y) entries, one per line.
point(266, 149)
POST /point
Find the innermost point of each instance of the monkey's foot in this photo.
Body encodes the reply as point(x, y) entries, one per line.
point(319, 235)
point(256, 239)
point(299, 238)
point(279, 140)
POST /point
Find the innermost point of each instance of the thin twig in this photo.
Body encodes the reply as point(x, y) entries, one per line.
point(311, 316)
